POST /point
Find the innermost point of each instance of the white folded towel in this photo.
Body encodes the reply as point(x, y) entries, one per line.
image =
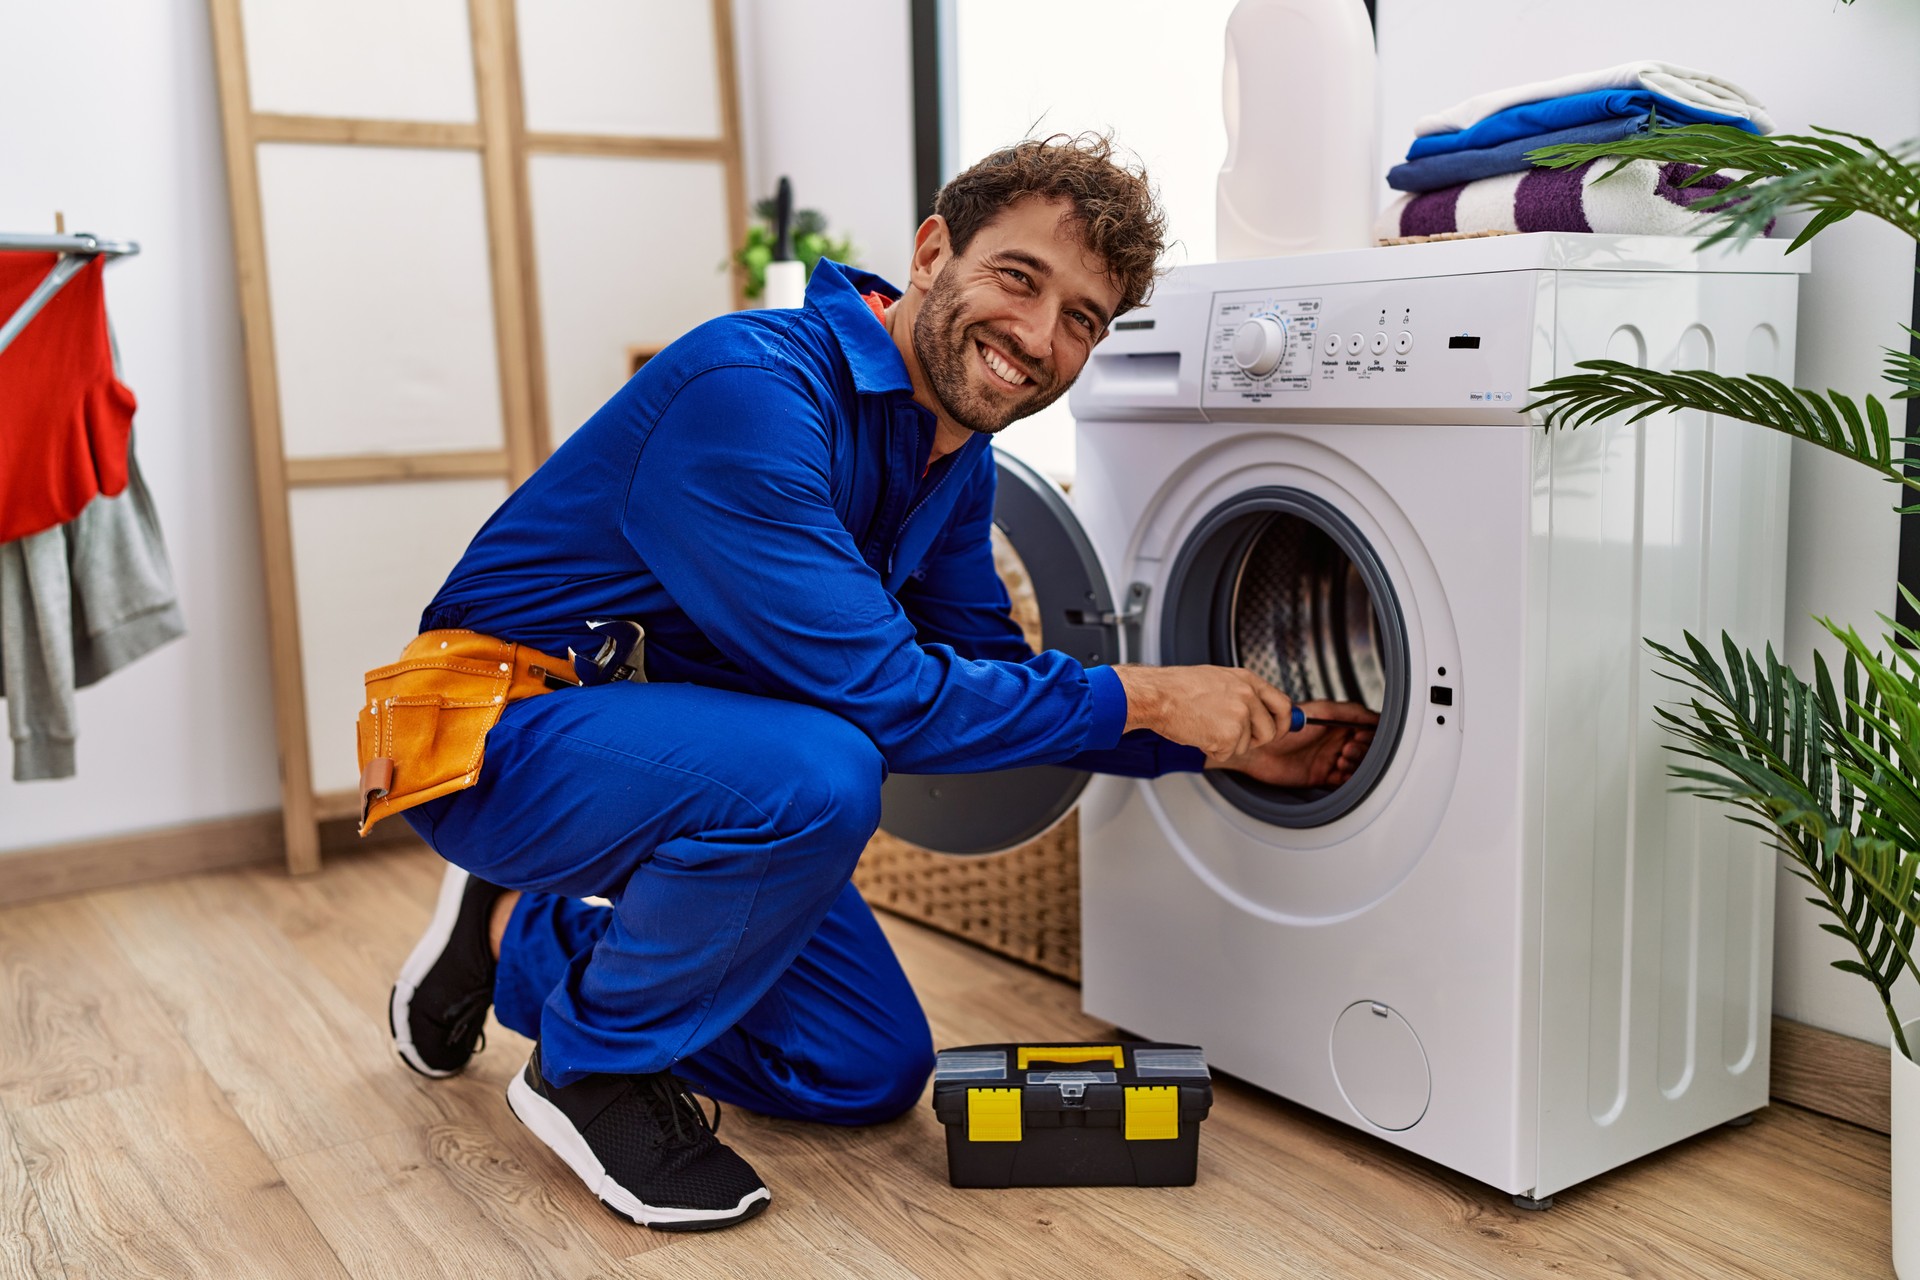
point(1695, 88)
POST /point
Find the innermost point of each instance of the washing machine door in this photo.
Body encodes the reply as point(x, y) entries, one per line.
point(1053, 573)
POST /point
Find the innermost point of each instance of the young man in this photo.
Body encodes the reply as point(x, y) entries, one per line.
point(796, 507)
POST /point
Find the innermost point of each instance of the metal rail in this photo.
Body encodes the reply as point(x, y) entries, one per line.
point(75, 251)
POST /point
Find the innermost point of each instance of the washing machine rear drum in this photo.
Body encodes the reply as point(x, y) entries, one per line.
point(1280, 582)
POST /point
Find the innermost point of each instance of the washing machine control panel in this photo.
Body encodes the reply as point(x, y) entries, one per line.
point(1259, 346)
point(1461, 344)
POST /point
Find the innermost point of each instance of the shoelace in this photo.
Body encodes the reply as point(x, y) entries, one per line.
point(677, 1100)
point(466, 1019)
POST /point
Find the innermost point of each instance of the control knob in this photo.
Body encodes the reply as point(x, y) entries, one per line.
point(1260, 345)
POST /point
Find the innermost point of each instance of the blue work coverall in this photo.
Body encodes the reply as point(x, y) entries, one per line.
point(820, 606)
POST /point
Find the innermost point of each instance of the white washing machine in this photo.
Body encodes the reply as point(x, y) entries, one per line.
point(1506, 944)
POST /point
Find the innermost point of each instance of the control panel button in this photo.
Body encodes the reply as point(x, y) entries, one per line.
point(1333, 344)
point(1354, 344)
point(1379, 343)
point(1260, 345)
point(1403, 343)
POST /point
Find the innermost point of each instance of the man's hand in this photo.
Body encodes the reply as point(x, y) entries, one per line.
point(1315, 756)
point(1227, 712)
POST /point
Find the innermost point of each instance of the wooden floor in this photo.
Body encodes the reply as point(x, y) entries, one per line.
point(195, 1081)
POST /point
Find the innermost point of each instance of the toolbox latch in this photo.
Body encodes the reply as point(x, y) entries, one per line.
point(1072, 1084)
point(1153, 1111)
point(993, 1115)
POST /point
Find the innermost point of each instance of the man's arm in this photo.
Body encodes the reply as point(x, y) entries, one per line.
point(730, 506)
point(1178, 718)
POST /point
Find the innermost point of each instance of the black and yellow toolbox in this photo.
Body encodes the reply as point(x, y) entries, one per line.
point(1072, 1115)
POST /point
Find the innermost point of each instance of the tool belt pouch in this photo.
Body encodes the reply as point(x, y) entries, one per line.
point(424, 721)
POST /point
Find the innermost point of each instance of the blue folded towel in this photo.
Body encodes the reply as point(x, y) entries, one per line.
point(1532, 118)
point(1450, 168)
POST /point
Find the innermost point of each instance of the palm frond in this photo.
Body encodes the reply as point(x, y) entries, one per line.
point(1882, 734)
point(1836, 422)
point(1903, 368)
point(1828, 173)
point(1775, 749)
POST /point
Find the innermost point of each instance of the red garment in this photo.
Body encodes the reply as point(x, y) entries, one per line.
point(64, 417)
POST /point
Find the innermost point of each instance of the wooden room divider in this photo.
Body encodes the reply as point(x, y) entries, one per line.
point(452, 221)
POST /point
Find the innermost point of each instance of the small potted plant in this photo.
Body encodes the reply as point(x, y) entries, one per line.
point(1832, 771)
point(810, 244)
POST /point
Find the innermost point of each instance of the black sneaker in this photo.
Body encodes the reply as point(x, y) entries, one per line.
point(643, 1146)
point(438, 1010)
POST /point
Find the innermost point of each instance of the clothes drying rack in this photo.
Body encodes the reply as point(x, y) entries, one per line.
point(75, 251)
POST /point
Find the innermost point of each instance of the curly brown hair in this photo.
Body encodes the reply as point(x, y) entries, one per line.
point(1117, 210)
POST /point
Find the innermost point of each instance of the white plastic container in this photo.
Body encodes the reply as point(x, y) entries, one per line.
point(1300, 174)
point(786, 285)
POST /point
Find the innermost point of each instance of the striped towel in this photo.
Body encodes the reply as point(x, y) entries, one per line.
point(1645, 198)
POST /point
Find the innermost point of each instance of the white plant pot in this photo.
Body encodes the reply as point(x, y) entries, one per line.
point(1906, 1159)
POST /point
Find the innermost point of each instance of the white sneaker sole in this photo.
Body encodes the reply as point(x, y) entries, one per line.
point(551, 1126)
point(426, 953)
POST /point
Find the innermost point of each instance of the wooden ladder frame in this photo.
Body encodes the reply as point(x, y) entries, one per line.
point(501, 138)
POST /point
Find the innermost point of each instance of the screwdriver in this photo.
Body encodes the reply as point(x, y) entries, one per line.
point(1301, 720)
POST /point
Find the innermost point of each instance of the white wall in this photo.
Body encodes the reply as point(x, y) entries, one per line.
point(826, 96)
point(1811, 62)
point(121, 132)
point(125, 138)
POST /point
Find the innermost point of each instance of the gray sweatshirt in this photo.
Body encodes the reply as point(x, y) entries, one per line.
point(78, 602)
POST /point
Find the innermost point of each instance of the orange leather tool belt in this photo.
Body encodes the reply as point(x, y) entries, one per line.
point(424, 722)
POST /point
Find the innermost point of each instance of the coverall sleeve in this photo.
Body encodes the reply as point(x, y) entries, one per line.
point(957, 598)
point(731, 507)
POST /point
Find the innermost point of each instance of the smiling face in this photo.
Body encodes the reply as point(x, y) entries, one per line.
point(1006, 326)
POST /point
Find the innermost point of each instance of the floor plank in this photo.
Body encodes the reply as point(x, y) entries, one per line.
point(75, 1017)
point(110, 1004)
point(306, 1067)
point(456, 1201)
point(810, 1240)
point(26, 1246)
point(891, 1180)
point(348, 928)
point(162, 1180)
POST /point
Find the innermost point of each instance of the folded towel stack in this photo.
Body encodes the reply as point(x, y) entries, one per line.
point(1645, 197)
point(1490, 135)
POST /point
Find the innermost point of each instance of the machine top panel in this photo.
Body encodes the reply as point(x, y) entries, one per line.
point(1536, 251)
point(1452, 331)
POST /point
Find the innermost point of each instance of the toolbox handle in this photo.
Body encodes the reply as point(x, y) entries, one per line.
point(1071, 1053)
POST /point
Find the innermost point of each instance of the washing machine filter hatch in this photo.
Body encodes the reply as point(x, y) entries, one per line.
point(1280, 582)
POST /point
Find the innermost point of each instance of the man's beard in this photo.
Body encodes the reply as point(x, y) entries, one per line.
point(947, 354)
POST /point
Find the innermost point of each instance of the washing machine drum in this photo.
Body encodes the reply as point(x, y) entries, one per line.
point(1282, 583)
point(1302, 618)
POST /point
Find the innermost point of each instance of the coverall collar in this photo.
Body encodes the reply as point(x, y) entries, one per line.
point(837, 293)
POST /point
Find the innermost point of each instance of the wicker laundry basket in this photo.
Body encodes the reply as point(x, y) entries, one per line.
point(1024, 903)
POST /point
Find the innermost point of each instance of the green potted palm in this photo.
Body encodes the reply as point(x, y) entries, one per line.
point(1830, 768)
